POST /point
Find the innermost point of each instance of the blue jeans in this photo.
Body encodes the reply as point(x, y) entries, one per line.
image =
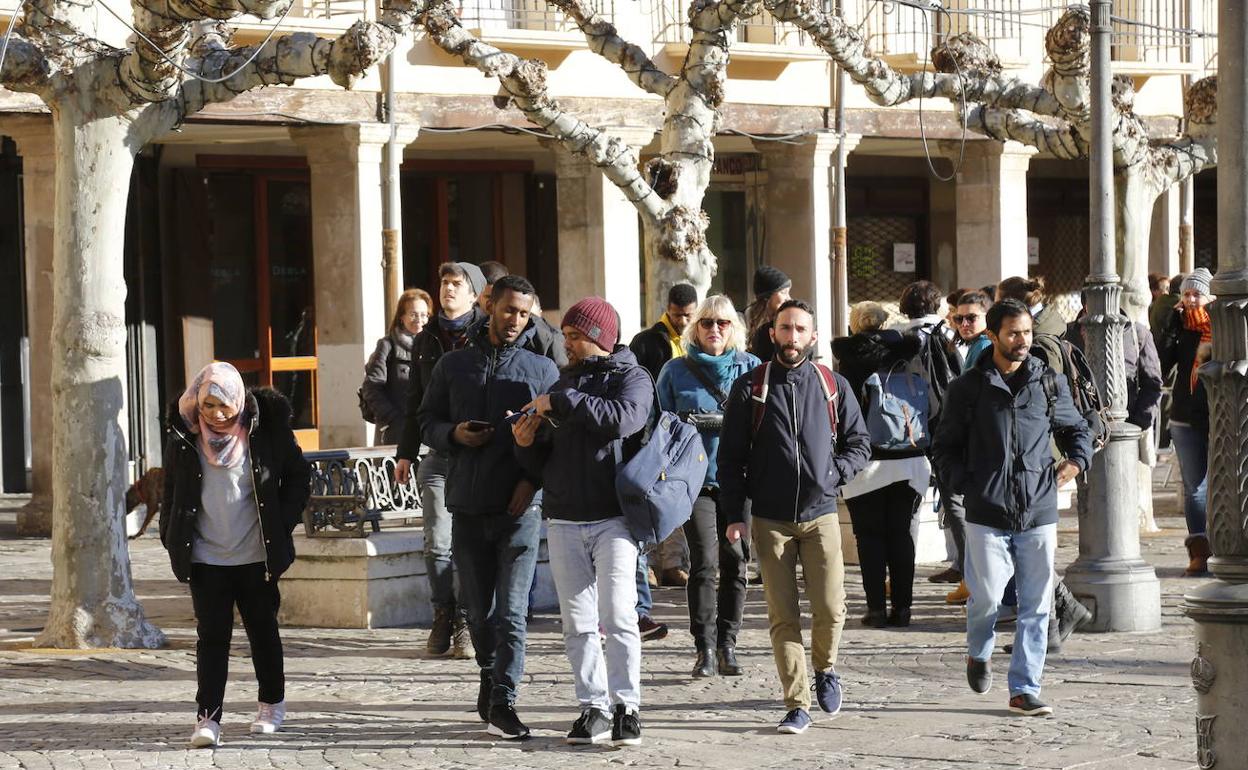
point(496, 556)
point(431, 483)
point(594, 566)
point(1192, 447)
point(645, 601)
point(992, 556)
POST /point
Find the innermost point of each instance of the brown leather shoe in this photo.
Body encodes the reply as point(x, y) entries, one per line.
point(949, 575)
point(1198, 553)
point(674, 577)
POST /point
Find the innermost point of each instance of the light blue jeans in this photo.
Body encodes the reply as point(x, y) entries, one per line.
point(992, 557)
point(595, 567)
point(431, 483)
point(1192, 447)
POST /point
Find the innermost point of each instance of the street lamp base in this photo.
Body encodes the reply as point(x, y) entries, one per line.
point(1123, 594)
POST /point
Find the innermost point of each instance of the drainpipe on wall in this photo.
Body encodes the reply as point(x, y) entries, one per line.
point(391, 206)
point(840, 257)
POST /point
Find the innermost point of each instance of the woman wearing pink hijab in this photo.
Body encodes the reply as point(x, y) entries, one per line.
point(236, 485)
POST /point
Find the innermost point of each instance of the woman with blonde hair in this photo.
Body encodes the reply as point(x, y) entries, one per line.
point(387, 371)
point(695, 386)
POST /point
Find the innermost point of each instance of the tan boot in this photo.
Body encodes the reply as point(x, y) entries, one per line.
point(958, 595)
point(439, 642)
point(461, 640)
point(674, 577)
point(1198, 554)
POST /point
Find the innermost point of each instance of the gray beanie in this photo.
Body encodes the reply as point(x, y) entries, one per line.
point(476, 278)
point(1197, 280)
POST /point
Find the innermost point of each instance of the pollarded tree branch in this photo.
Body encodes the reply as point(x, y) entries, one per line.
point(26, 69)
point(283, 60)
point(524, 81)
point(605, 40)
point(1060, 138)
point(981, 83)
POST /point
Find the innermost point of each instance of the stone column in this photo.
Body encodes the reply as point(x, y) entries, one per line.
point(599, 235)
point(1220, 606)
point(35, 144)
point(1118, 586)
point(345, 162)
point(992, 210)
point(1164, 235)
point(799, 201)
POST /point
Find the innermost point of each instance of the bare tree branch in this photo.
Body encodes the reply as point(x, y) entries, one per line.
point(25, 67)
point(524, 81)
point(1059, 139)
point(605, 40)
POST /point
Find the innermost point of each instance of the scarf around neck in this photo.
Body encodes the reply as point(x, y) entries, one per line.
point(224, 449)
point(1197, 320)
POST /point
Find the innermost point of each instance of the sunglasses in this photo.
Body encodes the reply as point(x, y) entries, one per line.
point(969, 318)
point(711, 323)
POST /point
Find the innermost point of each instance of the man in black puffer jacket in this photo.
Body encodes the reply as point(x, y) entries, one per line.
point(994, 450)
point(791, 462)
point(495, 534)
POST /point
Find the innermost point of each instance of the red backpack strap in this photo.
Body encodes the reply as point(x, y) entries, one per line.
point(828, 380)
point(760, 383)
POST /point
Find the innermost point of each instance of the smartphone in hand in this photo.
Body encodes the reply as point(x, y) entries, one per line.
point(514, 417)
point(478, 425)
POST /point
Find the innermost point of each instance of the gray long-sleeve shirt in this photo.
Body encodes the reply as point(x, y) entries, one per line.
point(227, 530)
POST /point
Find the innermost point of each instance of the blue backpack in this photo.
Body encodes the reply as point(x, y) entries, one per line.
point(658, 484)
point(898, 403)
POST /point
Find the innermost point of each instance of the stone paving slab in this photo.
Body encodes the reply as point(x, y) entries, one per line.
point(371, 699)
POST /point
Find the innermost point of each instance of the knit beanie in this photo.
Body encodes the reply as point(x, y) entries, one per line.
point(595, 318)
point(769, 280)
point(476, 278)
point(1198, 280)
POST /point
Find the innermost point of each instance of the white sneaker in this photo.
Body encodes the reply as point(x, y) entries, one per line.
point(207, 733)
point(269, 717)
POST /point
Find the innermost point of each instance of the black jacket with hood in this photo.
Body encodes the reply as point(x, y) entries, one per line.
point(280, 474)
point(995, 447)
point(791, 469)
point(482, 382)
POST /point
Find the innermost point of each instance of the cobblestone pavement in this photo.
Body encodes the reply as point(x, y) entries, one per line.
point(364, 699)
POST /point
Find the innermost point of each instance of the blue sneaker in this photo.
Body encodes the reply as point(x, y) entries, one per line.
point(827, 689)
point(794, 723)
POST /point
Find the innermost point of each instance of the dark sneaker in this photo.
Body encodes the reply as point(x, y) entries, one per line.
point(505, 724)
point(650, 631)
point(625, 727)
point(950, 575)
point(899, 617)
point(439, 641)
point(875, 619)
point(794, 723)
point(594, 726)
point(827, 689)
point(979, 674)
point(483, 694)
point(726, 661)
point(1030, 706)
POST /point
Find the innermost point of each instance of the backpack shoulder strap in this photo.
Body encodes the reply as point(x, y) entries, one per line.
point(1049, 381)
point(760, 381)
point(828, 380)
point(698, 374)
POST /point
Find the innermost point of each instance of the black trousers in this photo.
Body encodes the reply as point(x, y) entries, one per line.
point(881, 522)
point(215, 591)
point(714, 614)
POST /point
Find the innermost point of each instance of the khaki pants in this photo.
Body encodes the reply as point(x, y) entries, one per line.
point(817, 544)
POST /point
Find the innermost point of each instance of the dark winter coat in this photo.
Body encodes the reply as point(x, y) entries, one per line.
point(1143, 372)
point(546, 341)
point(997, 453)
point(761, 344)
point(279, 472)
point(791, 470)
point(861, 355)
point(386, 376)
point(482, 382)
point(427, 348)
point(652, 348)
point(594, 406)
point(1179, 347)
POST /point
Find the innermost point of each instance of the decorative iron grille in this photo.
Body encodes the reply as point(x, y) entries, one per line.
point(350, 486)
point(870, 251)
point(533, 15)
point(1064, 243)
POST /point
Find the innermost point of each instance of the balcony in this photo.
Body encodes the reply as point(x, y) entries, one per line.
point(759, 38)
point(527, 24)
point(325, 17)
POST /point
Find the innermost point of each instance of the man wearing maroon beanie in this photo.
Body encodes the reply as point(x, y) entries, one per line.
point(602, 397)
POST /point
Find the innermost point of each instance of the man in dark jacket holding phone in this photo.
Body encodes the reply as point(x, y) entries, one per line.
point(994, 450)
point(791, 461)
point(495, 535)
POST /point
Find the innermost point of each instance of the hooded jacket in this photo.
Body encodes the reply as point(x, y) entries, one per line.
point(386, 376)
point(595, 405)
point(791, 470)
point(995, 448)
point(427, 348)
point(280, 475)
point(482, 382)
point(861, 355)
point(653, 347)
